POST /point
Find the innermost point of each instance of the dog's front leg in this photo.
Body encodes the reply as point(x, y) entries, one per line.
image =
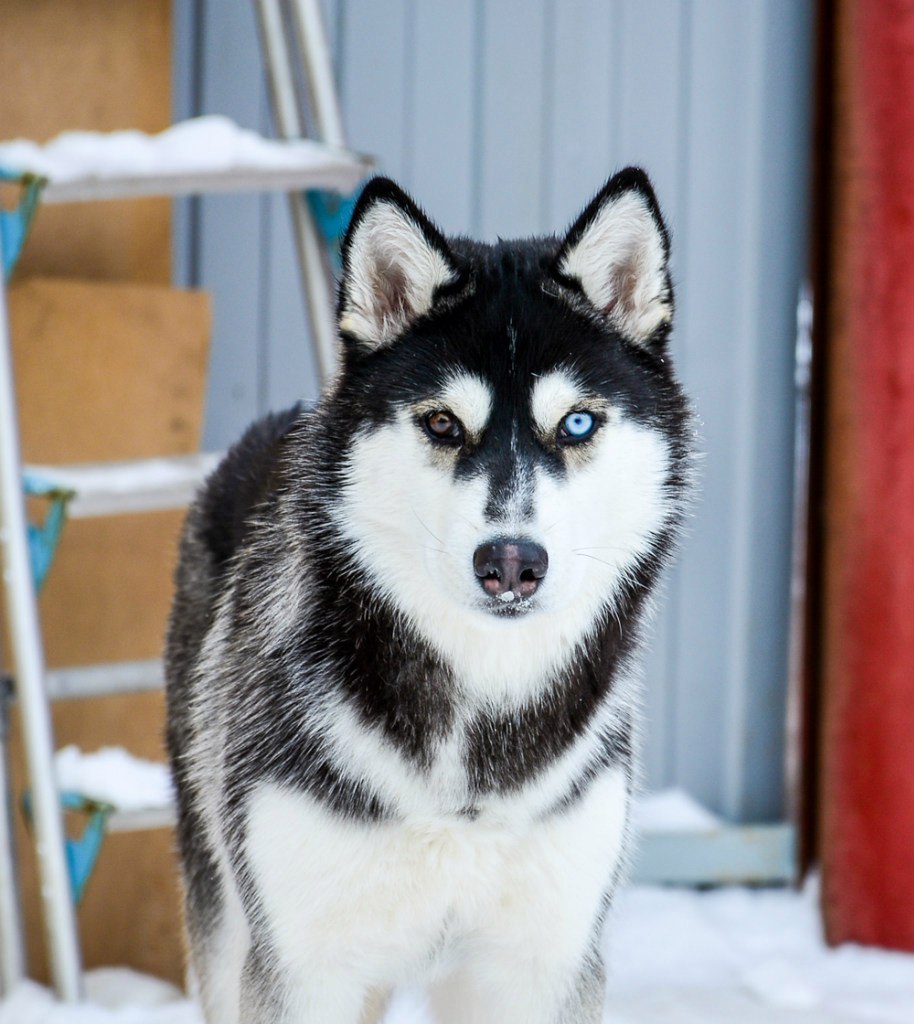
point(274, 994)
point(522, 993)
point(588, 995)
point(532, 958)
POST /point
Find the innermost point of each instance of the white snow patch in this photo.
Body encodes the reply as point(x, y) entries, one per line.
point(743, 955)
point(507, 596)
point(732, 956)
point(116, 987)
point(114, 776)
point(135, 485)
point(673, 810)
point(124, 477)
point(114, 996)
point(201, 145)
point(778, 982)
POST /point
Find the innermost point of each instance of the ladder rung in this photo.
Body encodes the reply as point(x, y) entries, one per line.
point(206, 154)
point(142, 485)
point(138, 821)
point(336, 176)
point(104, 680)
point(138, 791)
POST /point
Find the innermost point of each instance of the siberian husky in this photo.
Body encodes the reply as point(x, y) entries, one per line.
point(401, 708)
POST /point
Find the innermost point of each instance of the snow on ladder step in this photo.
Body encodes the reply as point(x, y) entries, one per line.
point(143, 485)
point(139, 790)
point(201, 155)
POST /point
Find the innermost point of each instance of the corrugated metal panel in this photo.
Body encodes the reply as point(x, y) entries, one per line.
point(514, 90)
point(442, 150)
point(503, 116)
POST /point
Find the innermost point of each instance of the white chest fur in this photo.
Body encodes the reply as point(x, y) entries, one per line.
point(400, 901)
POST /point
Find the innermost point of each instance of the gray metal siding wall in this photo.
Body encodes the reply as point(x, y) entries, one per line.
point(503, 117)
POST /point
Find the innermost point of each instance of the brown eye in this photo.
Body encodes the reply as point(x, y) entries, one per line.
point(440, 425)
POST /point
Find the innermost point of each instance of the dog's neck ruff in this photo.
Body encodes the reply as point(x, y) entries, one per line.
point(486, 661)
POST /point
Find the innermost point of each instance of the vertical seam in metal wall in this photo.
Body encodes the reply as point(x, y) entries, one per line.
point(409, 90)
point(265, 214)
point(479, 52)
point(186, 84)
point(342, 45)
point(682, 146)
point(339, 48)
point(194, 212)
point(547, 121)
point(734, 795)
point(616, 99)
point(265, 211)
point(682, 233)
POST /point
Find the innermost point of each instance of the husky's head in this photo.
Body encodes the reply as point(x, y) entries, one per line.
point(515, 442)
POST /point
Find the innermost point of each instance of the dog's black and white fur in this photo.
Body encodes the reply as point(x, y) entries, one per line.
point(401, 705)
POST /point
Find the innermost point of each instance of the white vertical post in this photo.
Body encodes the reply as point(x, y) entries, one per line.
point(12, 954)
point(316, 278)
point(311, 37)
point(28, 667)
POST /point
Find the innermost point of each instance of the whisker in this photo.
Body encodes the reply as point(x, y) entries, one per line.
point(600, 547)
point(464, 519)
point(424, 527)
point(602, 561)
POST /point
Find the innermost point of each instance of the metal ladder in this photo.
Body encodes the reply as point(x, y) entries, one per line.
point(292, 39)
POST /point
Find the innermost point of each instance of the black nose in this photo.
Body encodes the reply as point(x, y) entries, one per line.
point(510, 565)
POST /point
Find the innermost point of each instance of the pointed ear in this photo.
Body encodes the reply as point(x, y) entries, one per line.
point(617, 254)
point(396, 265)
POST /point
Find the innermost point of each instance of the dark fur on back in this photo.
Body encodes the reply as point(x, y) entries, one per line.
point(215, 529)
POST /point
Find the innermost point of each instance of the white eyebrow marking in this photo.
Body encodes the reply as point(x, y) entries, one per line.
point(554, 395)
point(470, 399)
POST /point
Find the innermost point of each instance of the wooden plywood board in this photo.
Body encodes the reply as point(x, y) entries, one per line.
point(108, 594)
point(107, 371)
point(98, 65)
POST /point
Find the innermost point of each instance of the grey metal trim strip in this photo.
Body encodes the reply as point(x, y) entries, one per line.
point(342, 171)
point(733, 855)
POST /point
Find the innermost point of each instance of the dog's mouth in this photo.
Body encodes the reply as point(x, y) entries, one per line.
point(509, 605)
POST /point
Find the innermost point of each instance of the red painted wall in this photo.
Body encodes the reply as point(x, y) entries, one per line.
point(867, 777)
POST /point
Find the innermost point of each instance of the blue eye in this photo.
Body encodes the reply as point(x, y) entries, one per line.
point(577, 426)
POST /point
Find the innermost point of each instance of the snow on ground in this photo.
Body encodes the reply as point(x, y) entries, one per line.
point(741, 955)
point(731, 956)
point(672, 810)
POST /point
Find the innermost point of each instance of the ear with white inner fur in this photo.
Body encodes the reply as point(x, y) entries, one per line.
point(395, 265)
point(617, 252)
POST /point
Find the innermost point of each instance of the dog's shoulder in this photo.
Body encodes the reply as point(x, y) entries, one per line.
point(241, 483)
point(215, 528)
